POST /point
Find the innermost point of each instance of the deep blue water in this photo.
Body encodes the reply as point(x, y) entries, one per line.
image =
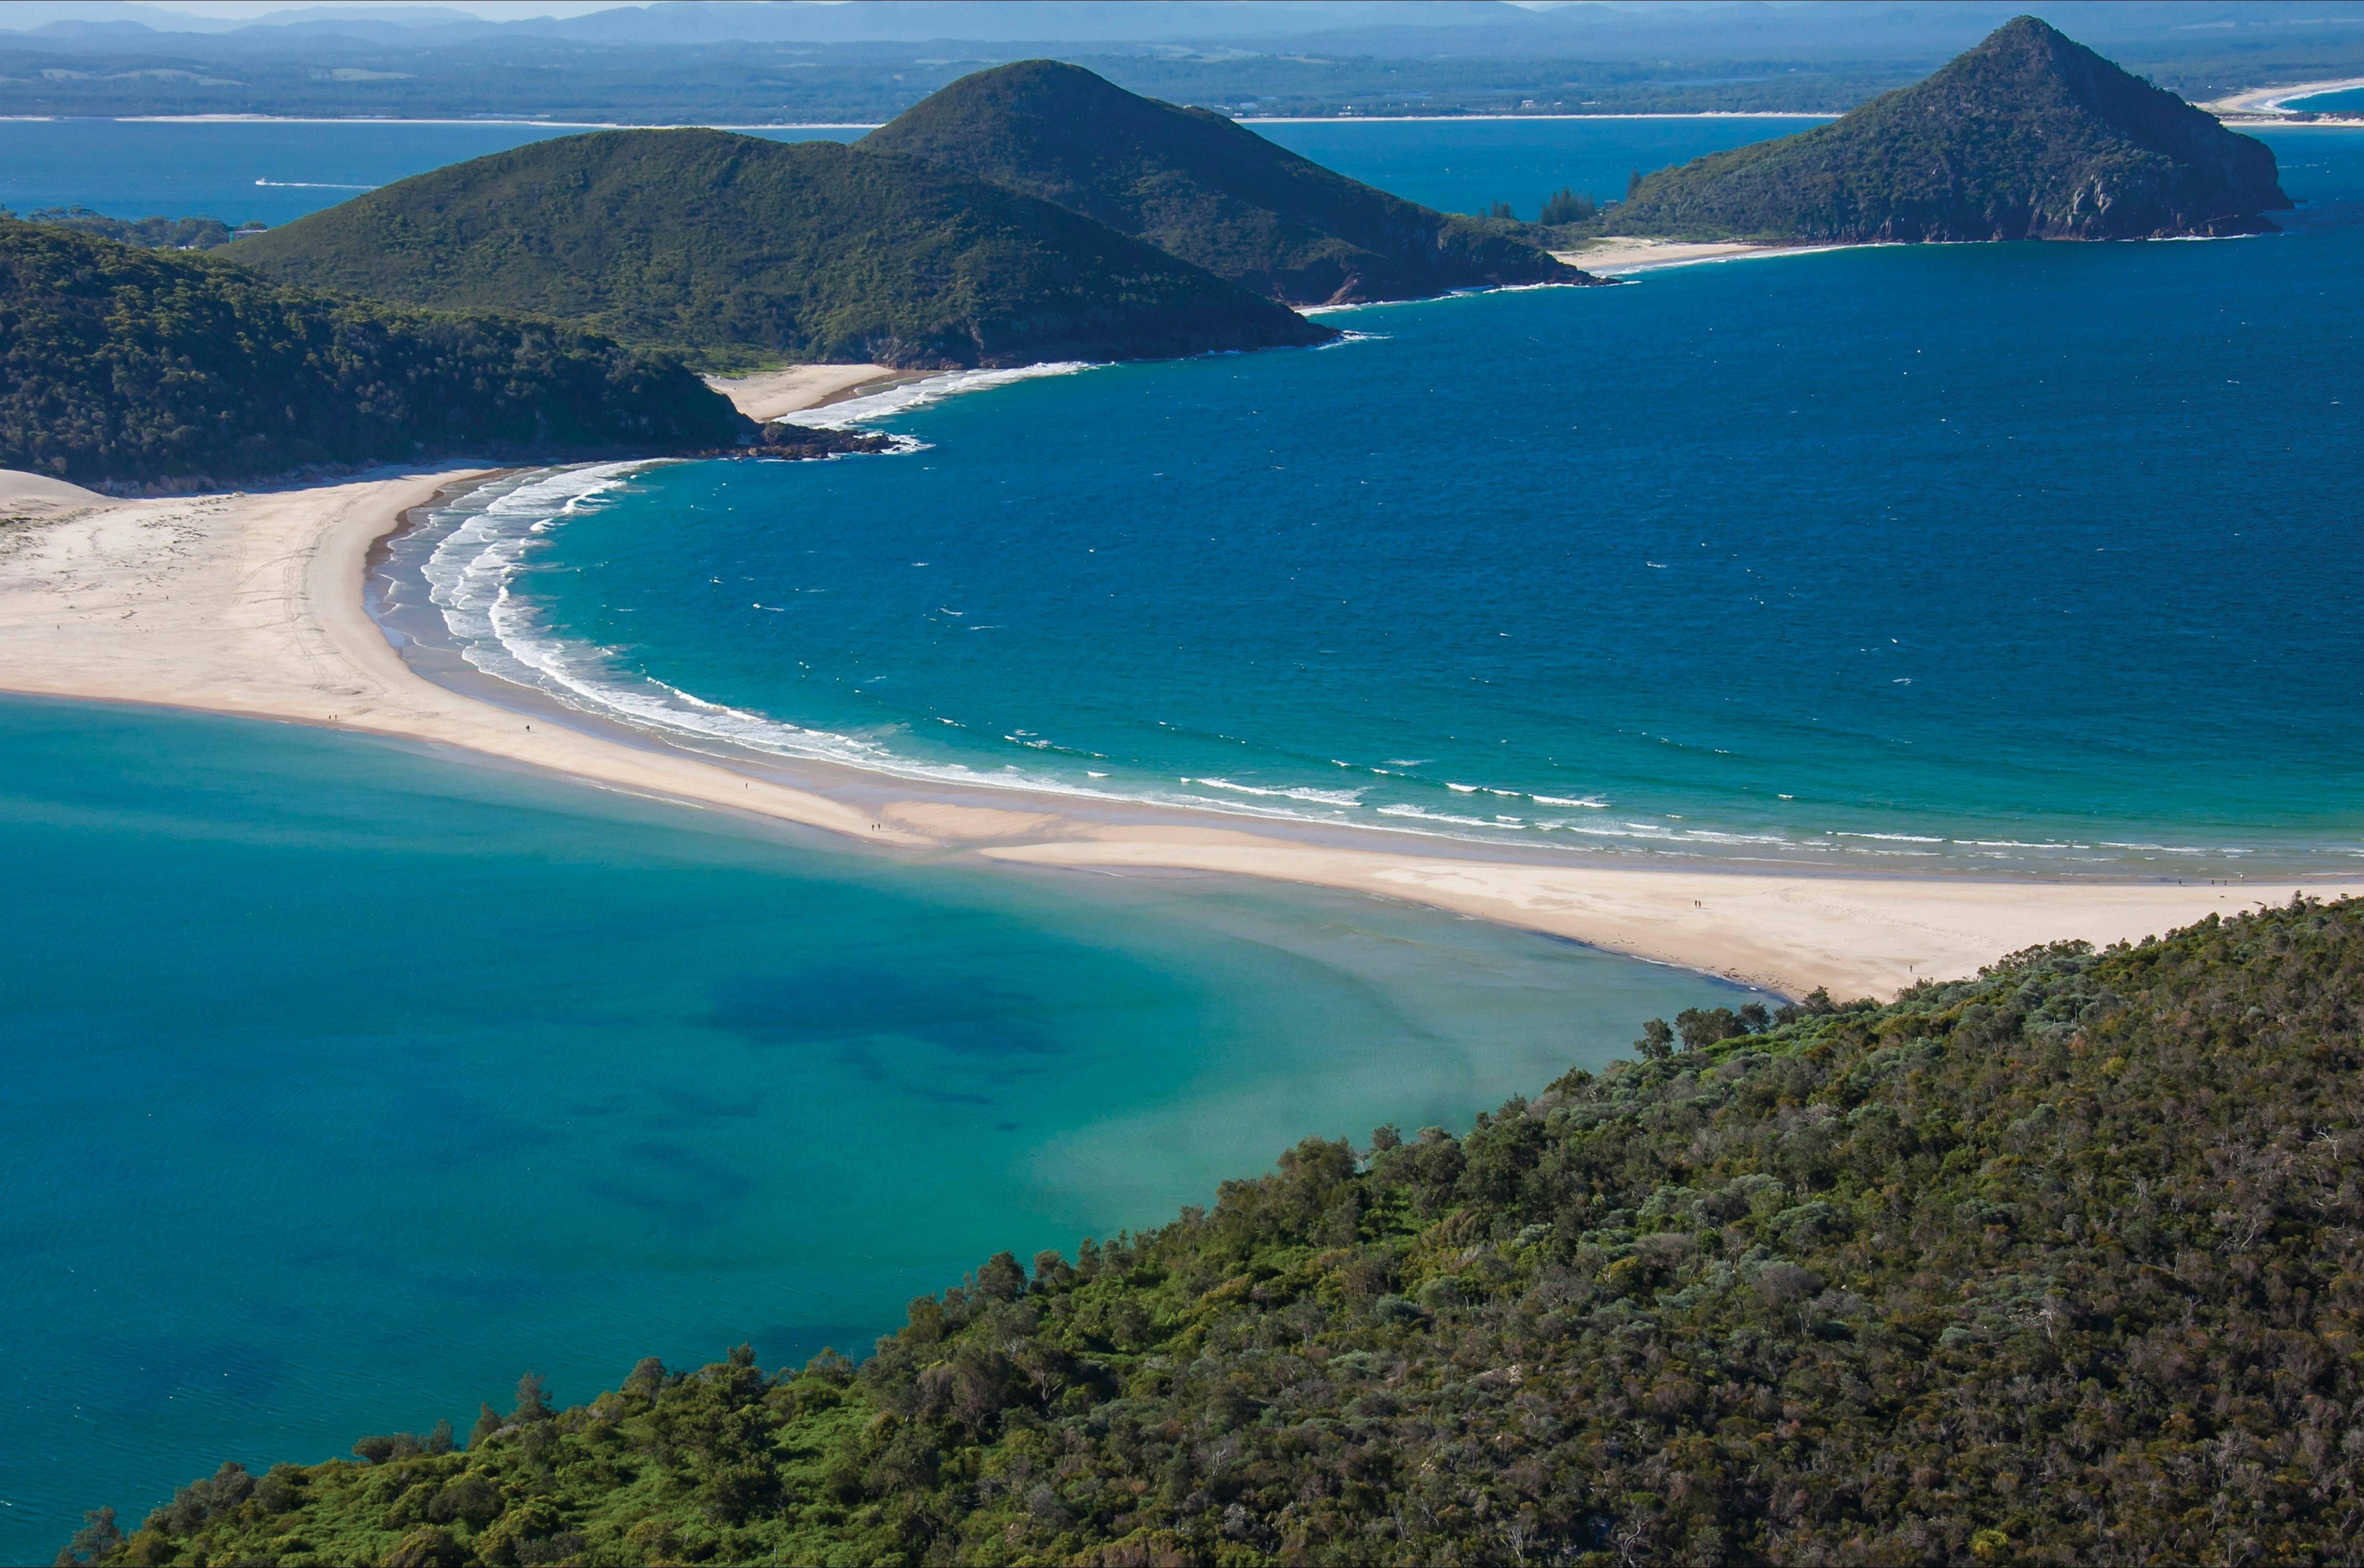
point(2326, 103)
point(261, 172)
point(1467, 165)
point(2000, 557)
point(275, 172)
point(344, 1082)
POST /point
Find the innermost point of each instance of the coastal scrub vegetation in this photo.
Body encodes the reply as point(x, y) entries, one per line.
point(737, 252)
point(1566, 206)
point(2060, 1265)
point(137, 366)
point(1213, 193)
point(2029, 135)
point(161, 233)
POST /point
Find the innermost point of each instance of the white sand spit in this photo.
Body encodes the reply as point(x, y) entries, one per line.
point(253, 605)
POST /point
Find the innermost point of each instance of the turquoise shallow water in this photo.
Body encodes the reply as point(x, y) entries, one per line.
point(345, 1083)
point(2024, 558)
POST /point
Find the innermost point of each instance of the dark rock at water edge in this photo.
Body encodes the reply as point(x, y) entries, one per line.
point(798, 441)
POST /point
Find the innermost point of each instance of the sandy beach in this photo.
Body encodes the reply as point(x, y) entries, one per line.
point(1857, 936)
point(770, 393)
point(253, 605)
point(2276, 100)
point(1614, 257)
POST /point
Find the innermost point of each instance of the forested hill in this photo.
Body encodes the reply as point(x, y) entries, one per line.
point(1212, 191)
point(2063, 1264)
point(738, 251)
point(130, 366)
point(2029, 135)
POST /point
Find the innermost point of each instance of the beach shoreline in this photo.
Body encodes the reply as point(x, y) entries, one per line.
point(767, 395)
point(2271, 104)
point(254, 605)
point(1615, 256)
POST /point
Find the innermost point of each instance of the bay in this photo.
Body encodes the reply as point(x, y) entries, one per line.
point(346, 1083)
point(2346, 101)
point(2005, 557)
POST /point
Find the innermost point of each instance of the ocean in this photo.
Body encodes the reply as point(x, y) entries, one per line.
point(273, 171)
point(2012, 560)
point(349, 1080)
point(267, 172)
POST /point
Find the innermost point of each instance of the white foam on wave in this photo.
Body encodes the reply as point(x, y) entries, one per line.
point(920, 394)
point(1316, 796)
point(1415, 811)
point(473, 573)
point(472, 577)
point(469, 572)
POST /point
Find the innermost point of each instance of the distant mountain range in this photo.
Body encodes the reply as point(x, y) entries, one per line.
point(1816, 29)
point(690, 63)
point(2029, 135)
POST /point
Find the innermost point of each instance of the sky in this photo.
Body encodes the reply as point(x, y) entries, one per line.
point(491, 10)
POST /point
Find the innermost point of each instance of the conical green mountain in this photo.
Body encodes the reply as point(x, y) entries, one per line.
point(1213, 193)
point(2029, 135)
point(131, 366)
point(738, 251)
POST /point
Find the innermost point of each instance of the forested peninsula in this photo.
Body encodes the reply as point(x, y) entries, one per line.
point(1205, 189)
point(2029, 135)
point(737, 252)
point(129, 366)
point(2061, 1264)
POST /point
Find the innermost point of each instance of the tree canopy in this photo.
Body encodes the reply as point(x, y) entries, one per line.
point(736, 250)
point(1210, 191)
point(136, 366)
